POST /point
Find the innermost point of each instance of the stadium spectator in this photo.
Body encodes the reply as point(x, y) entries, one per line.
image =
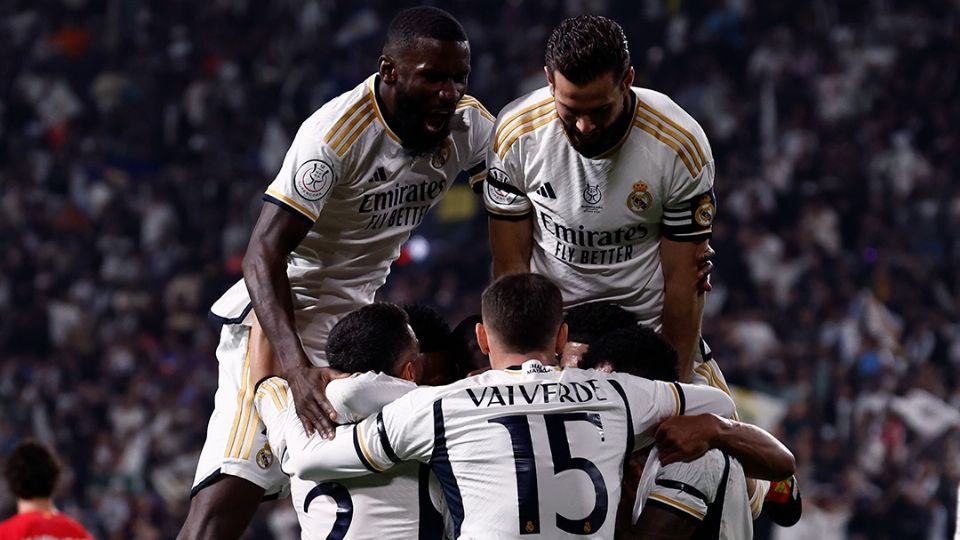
point(833, 126)
point(32, 472)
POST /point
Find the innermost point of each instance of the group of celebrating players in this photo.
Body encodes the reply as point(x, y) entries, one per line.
point(611, 420)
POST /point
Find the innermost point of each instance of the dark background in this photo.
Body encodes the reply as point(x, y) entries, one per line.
point(137, 136)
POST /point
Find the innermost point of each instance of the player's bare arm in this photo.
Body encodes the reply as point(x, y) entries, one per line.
point(657, 523)
point(683, 300)
point(277, 233)
point(687, 438)
point(263, 361)
point(511, 244)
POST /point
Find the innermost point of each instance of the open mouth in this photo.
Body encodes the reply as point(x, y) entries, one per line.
point(436, 121)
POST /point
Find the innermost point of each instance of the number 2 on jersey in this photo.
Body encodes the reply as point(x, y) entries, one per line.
point(341, 496)
point(528, 500)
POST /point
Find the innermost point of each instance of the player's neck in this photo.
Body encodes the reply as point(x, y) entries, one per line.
point(386, 100)
point(506, 360)
point(35, 505)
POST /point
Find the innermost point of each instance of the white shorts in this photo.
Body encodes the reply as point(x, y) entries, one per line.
point(707, 372)
point(236, 437)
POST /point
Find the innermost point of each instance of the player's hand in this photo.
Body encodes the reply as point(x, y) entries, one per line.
point(705, 268)
point(685, 438)
point(309, 386)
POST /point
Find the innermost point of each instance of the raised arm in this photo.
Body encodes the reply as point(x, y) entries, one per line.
point(277, 233)
point(760, 453)
point(511, 244)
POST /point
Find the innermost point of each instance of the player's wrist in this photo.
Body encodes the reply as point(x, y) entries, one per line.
point(719, 432)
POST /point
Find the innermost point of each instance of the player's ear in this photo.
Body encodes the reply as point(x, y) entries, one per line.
point(387, 70)
point(562, 337)
point(546, 71)
point(628, 80)
point(413, 370)
point(482, 338)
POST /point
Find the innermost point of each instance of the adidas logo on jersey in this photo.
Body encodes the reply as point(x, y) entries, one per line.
point(546, 191)
point(379, 176)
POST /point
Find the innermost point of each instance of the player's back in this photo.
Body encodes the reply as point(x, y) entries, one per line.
point(531, 451)
point(543, 450)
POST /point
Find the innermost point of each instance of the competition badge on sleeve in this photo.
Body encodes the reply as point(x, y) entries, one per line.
point(314, 179)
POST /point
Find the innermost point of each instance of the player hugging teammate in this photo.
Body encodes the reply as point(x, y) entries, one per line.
point(597, 191)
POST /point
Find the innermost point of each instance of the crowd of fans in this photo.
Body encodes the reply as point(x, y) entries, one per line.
point(136, 137)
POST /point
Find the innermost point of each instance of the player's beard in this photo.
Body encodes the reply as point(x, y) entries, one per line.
point(607, 137)
point(409, 116)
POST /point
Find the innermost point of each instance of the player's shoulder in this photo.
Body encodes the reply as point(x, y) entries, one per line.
point(472, 112)
point(703, 473)
point(659, 106)
point(667, 122)
point(522, 117)
point(340, 122)
point(363, 394)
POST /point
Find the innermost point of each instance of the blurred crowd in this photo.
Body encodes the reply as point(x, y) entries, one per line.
point(136, 138)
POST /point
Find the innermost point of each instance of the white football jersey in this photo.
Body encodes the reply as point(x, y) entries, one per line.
point(529, 452)
point(348, 175)
point(711, 490)
point(597, 222)
point(391, 505)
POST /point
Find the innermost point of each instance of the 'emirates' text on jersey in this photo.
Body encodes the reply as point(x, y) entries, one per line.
point(349, 176)
point(597, 222)
point(532, 452)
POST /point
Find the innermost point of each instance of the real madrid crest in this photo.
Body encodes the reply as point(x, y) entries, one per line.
point(705, 211)
point(265, 457)
point(441, 155)
point(640, 198)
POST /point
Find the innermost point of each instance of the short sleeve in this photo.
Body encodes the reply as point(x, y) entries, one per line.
point(307, 176)
point(481, 129)
point(688, 488)
point(503, 192)
point(403, 431)
point(365, 394)
point(650, 402)
point(689, 202)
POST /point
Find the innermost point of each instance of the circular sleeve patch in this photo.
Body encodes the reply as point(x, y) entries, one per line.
point(497, 195)
point(314, 179)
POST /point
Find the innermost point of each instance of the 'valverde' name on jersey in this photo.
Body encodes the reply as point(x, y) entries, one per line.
point(598, 221)
point(348, 175)
point(527, 452)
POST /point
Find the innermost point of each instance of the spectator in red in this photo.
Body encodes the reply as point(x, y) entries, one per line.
point(32, 472)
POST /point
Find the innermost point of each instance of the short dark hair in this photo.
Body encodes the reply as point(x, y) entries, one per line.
point(467, 357)
point(421, 22)
point(587, 322)
point(635, 350)
point(430, 327)
point(369, 339)
point(524, 310)
point(586, 47)
point(32, 471)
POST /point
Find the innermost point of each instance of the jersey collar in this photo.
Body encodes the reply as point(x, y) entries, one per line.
point(531, 366)
point(375, 94)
